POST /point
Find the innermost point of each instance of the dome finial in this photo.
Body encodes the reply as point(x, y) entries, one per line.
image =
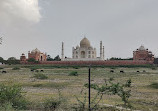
point(84, 35)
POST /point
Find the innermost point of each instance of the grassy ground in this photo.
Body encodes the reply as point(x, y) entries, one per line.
point(144, 96)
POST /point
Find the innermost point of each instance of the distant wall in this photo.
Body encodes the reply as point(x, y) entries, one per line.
point(105, 63)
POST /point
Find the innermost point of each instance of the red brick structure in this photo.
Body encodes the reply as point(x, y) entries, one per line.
point(23, 58)
point(98, 63)
point(35, 54)
point(140, 57)
point(143, 54)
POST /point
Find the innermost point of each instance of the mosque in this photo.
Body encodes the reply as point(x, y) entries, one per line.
point(35, 54)
point(143, 54)
point(84, 52)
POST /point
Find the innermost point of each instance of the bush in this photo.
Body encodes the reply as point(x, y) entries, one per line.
point(16, 68)
point(76, 67)
point(12, 95)
point(153, 68)
point(74, 73)
point(154, 85)
point(31, 60)
point(7, 107)
point(40, 76)
point(1, 68)
point(33, 68)
point(52, 104)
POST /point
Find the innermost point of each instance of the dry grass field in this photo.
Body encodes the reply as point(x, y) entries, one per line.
point(144, 95)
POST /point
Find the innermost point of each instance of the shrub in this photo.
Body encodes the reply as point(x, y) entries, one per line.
point(153, 68)
point(33, 68)
point(1, 68)
point(40, 76)
point(12, 95)
point(16, 68)
point(31, 60)
point(76, 67)
point(74, 73)
point(52, 104)
point(112, 88)
point(154, 85)
point(7, 107)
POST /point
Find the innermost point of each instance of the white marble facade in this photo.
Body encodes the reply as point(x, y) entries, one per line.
point(84, 52)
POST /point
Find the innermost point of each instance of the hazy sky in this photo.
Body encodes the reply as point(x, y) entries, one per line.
point(122, 25)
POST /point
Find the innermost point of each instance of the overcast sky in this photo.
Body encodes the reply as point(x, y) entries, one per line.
point(122, 26)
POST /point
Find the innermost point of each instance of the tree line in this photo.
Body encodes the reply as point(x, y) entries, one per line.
point(14, 60)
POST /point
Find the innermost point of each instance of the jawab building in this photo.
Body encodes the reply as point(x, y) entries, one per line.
point(84, 52)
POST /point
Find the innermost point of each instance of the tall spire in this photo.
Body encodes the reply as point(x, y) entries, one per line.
point(62, 51)
point(101, 50)
point(0, 40)
point(103, 53)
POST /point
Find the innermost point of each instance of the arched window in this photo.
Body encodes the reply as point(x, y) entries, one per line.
point(41, 58)
point(83, 55)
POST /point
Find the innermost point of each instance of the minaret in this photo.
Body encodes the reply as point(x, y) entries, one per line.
point(103, 53)
point(62, 52)
point(101, 50)
point(73, 52)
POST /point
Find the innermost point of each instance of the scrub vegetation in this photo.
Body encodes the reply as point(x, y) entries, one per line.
point(54, 88)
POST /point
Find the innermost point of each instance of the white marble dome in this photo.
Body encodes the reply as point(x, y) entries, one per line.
point(141, 48)
point(85, 42)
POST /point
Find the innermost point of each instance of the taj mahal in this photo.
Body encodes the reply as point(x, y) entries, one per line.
point(84, 52)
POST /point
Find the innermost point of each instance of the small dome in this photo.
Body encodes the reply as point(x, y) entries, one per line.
point(84, 42)
point(35, 51)
point(141, 48)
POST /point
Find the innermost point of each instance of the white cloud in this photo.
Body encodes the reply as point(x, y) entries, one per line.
point(19, 10)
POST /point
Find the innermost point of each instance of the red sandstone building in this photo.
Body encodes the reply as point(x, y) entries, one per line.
point(140, 57)
point(35, 54)
point(143, 54)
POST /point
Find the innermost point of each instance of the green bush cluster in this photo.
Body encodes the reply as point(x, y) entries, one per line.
point(73, 73)
point(154, 68)
point(40, 76)
point(53, 104)
point(15, 68)
point(112, 88)
point(11, 96)
point(154, 85)
point(1, 68)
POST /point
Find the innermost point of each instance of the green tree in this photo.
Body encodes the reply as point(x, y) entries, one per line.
point(12, 60)
point(31, 60)
point(49, 58)
point(1, 59)
point(57, 58)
